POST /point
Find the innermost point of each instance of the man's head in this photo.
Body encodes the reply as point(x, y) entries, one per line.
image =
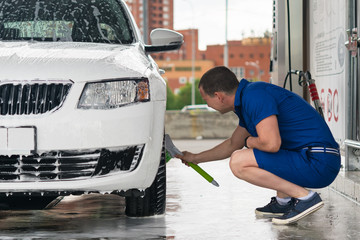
point(219, 79)
point(218, 87)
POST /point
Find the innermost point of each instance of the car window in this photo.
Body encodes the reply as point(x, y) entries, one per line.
point(103, 21)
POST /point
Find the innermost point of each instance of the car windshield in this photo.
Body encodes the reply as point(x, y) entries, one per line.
point(101, 21)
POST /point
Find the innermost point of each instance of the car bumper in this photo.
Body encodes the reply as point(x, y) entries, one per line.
point(138, 126)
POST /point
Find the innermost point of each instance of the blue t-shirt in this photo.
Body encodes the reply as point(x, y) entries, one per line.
point(300, 124)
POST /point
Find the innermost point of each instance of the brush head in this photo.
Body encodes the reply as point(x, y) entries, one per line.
point(167, 156)
point(170, 147)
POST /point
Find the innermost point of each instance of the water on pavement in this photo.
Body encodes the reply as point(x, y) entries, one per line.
point(195, 210)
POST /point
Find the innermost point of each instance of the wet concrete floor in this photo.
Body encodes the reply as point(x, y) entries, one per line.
point(195, 210)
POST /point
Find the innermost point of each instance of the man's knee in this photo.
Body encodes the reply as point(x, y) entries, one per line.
point(240, 160)
point(237, 163)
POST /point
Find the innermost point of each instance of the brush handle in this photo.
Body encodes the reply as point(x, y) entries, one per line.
point(201, 172)
point(172, 151)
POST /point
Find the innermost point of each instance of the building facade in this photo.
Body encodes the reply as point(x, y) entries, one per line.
point(178, 73)
point(248, 58)
point(159, 14)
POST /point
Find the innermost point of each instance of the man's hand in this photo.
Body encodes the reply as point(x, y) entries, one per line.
point(187, 157)
point(219, 152)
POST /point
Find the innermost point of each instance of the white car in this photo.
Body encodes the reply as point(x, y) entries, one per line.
point(82, 104)
point(197, 108)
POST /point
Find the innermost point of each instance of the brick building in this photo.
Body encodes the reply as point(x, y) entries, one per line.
point(180, 72)
point(160, 13)
point(248, 58)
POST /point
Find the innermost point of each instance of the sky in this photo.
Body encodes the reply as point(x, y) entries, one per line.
point(245, 18)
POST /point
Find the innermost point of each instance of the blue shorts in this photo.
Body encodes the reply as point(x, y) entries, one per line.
point(304, 168)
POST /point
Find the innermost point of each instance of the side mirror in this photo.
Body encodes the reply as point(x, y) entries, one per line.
point(164, 40)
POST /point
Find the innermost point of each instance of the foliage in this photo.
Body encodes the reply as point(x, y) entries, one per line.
point(170, 99)
point(183, 98)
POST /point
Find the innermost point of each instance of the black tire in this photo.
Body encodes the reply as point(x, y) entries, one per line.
point(154, 200)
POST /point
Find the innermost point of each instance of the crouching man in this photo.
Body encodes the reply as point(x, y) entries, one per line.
point(289, 146)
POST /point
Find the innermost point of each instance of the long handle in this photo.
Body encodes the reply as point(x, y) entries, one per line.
point(205, 175)
point(170, 147)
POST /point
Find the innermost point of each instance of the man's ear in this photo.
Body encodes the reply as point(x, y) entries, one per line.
point(220, 96)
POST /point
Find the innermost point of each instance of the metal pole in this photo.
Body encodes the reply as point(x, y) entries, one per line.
point(193, 67)
point(145, 21)
point(226, 47)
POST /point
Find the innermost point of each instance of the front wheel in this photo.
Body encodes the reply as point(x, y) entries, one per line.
point(154, 200)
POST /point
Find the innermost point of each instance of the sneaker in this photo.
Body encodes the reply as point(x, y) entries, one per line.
point(273, 209)
point(300, 209)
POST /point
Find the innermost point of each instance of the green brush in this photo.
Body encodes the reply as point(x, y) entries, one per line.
point(167, 156)
point(172, 151)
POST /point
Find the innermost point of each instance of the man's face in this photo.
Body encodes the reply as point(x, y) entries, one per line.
point(215, 102)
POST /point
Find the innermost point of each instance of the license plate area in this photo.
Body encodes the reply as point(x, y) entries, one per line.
point(17, 140)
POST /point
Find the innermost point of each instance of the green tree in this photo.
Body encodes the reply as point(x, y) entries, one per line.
point(170, 99)
point(183, 98)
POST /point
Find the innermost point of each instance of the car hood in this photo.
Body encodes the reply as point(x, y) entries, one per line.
point(75, 61)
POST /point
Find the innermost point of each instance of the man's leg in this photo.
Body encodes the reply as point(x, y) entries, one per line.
point(244, 166)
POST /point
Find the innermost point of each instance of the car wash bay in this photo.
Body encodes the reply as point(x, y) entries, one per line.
point(195, 210)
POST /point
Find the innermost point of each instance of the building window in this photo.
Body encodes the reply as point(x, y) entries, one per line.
point(261, 55)
point(167, 69)
point(241, 55)
point(187, 69)
point(238, 71)
point(182, 80)
point(251, 55)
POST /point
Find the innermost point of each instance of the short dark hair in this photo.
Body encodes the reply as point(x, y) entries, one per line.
point(219, 79)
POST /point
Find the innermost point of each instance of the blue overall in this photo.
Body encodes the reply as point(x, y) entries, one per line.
point(309, 155)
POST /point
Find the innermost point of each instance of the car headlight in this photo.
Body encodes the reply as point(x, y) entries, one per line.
point(114, 93)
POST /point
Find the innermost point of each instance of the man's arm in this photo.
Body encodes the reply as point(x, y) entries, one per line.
point(268, 139)
point(221, 151)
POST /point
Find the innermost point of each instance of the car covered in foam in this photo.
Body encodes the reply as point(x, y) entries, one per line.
point(82, 104)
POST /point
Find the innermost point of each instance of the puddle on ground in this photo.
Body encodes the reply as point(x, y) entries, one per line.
point(195, 210)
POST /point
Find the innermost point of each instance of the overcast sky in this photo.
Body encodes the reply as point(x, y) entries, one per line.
point(245, 18)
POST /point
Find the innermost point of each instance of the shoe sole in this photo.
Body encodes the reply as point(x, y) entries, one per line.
point(299, 216)
point(267, 215)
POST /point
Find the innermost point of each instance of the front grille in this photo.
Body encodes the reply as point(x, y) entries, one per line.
point(24, 98)
point(68, 165)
